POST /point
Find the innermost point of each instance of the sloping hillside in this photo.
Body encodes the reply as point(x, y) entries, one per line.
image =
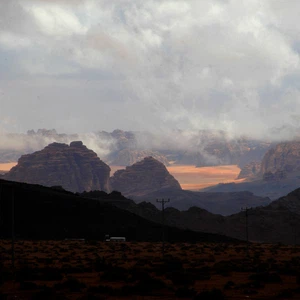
point(52, 213)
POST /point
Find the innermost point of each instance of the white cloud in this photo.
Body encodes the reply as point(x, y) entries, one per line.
point(57, 21)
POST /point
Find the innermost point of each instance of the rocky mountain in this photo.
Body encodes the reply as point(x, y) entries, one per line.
point(283, 157)
point(279, 173)
point(255, 153)
point(76, 168)
point(250, 171)
point(143, 177)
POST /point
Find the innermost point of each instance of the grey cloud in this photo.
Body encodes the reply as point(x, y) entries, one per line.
point(170, 64)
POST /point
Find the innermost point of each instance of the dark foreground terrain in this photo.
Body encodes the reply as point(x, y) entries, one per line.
point(135, 270)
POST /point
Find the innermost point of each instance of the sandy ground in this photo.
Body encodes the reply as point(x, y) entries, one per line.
point(192, 178)
point(77, 270)
point(189, 177)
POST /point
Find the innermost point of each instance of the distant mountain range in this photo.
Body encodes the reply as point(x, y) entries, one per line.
point(76, 168)
point(274, 176)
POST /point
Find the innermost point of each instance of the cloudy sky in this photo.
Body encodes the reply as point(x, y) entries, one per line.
point(89, 65)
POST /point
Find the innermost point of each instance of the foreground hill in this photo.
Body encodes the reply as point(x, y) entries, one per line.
point(276, 222)
point(52, 213)
point(76, 168)
point(224, 203)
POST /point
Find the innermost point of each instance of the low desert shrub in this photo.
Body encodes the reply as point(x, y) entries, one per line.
point(266, 277)
point(185, 292)
point(214, 294)
point(115, 274)
point(72, 284)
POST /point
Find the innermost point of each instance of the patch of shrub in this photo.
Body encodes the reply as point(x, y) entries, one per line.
point(214, 294)
point(172, 265)
point(137, 274)
point(184, 292)
point(115, 274)
point(250, 292)
point(47, 294)
point(92, 297)
point(224, 267)
point(148, 286)
point(28, 285)
point(72, 284)
point(287, 293)
point(229, 285)
point(180, 278)
point(100, 289)
point(101, 265)
point(266, 277)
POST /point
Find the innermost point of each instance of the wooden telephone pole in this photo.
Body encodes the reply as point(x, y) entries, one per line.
point(247, 227)
point(13, 230)
point(163, 201)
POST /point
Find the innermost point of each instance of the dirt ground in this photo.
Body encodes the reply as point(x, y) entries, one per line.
point(130, 270)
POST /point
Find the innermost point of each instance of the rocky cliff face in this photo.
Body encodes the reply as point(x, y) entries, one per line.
point(143, 177)
point(76, 168)
point(283, 157)
point(250, 171)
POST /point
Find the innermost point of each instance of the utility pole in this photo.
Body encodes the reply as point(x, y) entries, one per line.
point(162, 201)
point(247, 230)
point(0, 206)
point(13, 229)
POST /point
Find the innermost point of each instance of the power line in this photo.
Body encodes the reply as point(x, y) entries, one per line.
point(163, 201)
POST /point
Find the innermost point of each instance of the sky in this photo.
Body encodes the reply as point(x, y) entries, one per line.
point(89, 65)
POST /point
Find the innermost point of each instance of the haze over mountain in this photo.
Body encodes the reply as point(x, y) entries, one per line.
point(198, 148)
point(277, 174)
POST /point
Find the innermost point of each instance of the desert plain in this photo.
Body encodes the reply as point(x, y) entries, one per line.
point(78, 269)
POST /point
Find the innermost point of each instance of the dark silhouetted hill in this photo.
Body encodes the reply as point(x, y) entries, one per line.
point(276, 222)
point(51, 213)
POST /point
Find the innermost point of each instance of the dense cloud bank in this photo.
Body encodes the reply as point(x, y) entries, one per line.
point(151, 65)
